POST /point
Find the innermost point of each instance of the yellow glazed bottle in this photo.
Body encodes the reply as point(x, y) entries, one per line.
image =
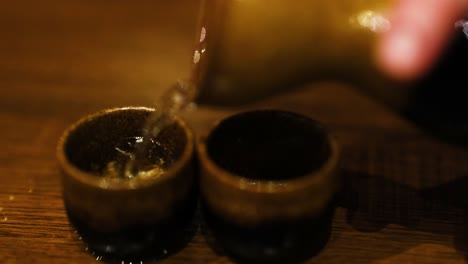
point(249, 49)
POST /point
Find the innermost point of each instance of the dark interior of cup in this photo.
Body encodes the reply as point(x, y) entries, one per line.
point(269, 145)
point(107, 137)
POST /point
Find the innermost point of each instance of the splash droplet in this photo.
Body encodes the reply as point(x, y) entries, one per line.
point(11, 198)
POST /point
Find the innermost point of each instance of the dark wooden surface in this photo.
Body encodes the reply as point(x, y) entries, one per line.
point(405, 197)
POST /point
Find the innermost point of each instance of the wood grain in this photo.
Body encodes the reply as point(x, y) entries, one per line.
point(405, 191)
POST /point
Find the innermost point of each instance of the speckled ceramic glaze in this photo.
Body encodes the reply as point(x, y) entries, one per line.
point(126, 216)
point(268, 180)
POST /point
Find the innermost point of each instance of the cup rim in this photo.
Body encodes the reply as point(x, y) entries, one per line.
point(91, 179)
point(315, 177)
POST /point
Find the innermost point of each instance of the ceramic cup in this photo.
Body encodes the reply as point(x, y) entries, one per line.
point(268, 181)
point(148, 214)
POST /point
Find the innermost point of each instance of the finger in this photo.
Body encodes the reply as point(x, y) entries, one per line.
point(419, 31)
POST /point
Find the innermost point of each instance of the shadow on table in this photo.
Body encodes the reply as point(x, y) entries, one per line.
point(374, 202)
point(438, 102)
point(290, 244)
point(144, 244)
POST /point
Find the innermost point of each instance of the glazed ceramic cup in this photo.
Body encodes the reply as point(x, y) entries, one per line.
point(120, 216)
point(268, 180)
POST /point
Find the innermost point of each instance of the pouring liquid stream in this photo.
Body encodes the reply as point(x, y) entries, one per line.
point(134, 157)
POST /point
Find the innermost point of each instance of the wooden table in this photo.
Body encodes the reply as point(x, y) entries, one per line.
point(59, 60)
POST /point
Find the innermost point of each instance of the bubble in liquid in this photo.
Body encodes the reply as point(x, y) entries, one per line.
point(121, 166)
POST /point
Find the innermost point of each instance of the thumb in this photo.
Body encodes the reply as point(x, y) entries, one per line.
point(420, 29)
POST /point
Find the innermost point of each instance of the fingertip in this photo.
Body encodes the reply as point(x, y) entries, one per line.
point(420, 29)
point(398, 56)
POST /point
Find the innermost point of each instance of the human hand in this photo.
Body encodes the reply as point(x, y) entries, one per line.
point(420, 30)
